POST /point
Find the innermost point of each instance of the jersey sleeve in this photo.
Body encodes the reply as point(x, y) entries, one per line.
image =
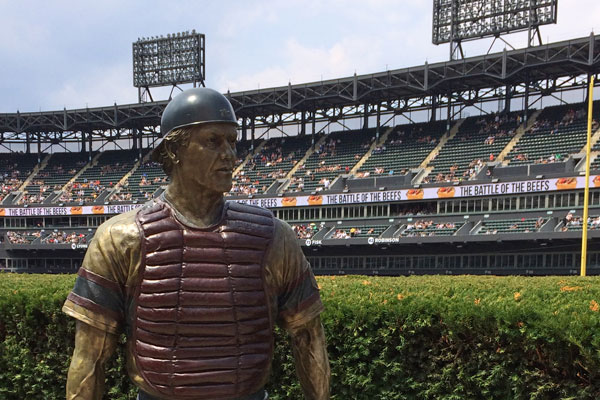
point(98, 297)
point(298, 299)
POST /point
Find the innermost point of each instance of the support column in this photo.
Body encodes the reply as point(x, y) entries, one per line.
point(302, 123)
point(27, 142)
point(137, 145)
point(134, 138)
point(366, 117)
point(433, 108)
point(525, 117)
point(90, 146)
point(378, 120)
point(449, 117)
point(83, 146)
point(244, 130)
point(314, 127)
point(507, 98)
point(252, 133)
point(140, 140)
point(587, 92)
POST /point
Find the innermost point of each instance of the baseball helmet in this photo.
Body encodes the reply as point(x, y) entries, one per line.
point(195, 106)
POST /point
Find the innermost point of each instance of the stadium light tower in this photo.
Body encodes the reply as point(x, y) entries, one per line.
point(456, 21)
point(173, 60)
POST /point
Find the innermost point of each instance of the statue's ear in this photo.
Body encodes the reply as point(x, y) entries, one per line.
point(170, 152)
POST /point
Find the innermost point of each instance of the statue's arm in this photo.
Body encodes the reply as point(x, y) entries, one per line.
point(310, 356)
point(93, 347)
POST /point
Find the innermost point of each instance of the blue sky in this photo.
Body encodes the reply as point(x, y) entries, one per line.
point(76, 53)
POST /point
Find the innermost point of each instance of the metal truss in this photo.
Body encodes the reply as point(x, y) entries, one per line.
point(170, 61)
point(529, 73)
point(455, 21)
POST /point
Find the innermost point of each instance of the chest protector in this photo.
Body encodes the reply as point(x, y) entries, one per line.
point(202, 327)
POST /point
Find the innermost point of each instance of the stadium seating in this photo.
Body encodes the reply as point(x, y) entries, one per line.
point(14, 169)
point(22, 237)
point(111, 166)
point(243, 149)
point(479, 140)
point(64, 237)
point(305, 231)
point(405, 148)
point(429, 227)
point(142, 183)
point(274, 160)
point(359, 231)
point(59, 170)
point(520, 225)
point(336, 155)
point(558, 132)
point(573, 223)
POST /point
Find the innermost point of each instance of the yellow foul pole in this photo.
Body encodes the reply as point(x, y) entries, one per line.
point(586, 197)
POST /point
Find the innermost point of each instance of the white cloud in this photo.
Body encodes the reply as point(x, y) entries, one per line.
point(97, 88)
point(299, 64)
point(239, 19)
point(72, 53)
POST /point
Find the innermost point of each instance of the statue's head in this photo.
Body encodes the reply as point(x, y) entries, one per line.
point(199, 130)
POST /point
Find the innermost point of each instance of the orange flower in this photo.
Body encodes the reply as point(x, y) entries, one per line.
point(477, 301)
point(594, 306)
point(400, 296)
point(319, 286)
point(384, 301)
point(570, 288)
point(517, 296)
point(366, 282)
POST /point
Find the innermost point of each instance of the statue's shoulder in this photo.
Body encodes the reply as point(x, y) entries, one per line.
point(121, 228)
point(284, 231)
point(248, 208)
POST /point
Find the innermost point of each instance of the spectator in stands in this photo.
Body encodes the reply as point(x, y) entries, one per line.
point(121, 196)
point(521, 157)
point(568, 218)
point(340, 234)
point(539, 222)
point(571, 221)
point(379, 149)
point(305, 231)
point(22, 237)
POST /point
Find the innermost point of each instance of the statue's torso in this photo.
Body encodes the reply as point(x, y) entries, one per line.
point(202, 327)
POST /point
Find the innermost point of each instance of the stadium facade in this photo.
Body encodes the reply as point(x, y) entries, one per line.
point(479, 176)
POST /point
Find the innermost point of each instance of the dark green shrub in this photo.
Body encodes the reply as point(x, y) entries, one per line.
point(432, 337)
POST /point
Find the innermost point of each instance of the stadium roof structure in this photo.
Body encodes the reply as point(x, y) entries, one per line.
point(539, 70)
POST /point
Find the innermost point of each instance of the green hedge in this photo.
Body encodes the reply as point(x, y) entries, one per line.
point(432, 337)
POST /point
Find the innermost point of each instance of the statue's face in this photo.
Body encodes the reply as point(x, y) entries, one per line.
point(208, 161)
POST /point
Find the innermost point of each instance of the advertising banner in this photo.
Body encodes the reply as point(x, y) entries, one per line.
point(381, 196)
